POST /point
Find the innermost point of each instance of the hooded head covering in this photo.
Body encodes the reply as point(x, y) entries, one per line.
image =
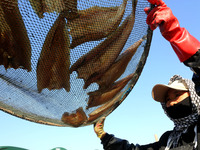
point(181, 124)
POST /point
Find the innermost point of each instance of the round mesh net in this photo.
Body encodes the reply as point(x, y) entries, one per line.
point(69, 62)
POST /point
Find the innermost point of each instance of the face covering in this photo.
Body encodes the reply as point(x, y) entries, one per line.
point(181, 109)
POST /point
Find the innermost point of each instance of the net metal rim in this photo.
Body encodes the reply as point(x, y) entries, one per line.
point(33, 116)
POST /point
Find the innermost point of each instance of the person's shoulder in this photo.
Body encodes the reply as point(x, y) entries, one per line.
point(165, 136)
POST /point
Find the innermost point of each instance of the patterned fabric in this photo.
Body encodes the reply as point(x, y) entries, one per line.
point(182, 124)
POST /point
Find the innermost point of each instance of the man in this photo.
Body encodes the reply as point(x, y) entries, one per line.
point(179, 99)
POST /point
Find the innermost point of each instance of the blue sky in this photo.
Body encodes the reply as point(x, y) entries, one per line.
point(137, 119)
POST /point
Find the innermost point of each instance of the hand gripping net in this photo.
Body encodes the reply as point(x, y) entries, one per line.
point(70, 62)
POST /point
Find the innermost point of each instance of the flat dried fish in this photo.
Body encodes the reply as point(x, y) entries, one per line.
point(6, 41)
point(75, 119)
point(54, 61)
point(37, 7)
point(119, 66)
point(15, 48)
point(105, 108)
point(93, 64)
point(99, 97)
point(53, 6)
point(95, 23)
point(42, 6)
point(71, 11)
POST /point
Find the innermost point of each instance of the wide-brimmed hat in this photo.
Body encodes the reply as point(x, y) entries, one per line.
point(159, 91)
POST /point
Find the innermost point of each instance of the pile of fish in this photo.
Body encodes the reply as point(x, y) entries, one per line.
point(104, 64)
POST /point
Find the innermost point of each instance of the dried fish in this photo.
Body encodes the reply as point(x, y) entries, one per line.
point(6, 41)
point(51, 6)
point(75, 119)
point(54, 61)
point(95, 23)
point(15, 48)
point(93, 64)
point(105, 108)
point(71, 11)
point(119, 66)
point(99, 97)
point(42, 6)
point(37, 7)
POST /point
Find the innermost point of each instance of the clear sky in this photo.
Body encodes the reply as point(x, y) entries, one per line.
point(137, 119)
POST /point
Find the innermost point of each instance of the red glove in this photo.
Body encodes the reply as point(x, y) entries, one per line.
point(184, 44)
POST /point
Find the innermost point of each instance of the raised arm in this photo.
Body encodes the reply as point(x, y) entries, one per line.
point(183, 43)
